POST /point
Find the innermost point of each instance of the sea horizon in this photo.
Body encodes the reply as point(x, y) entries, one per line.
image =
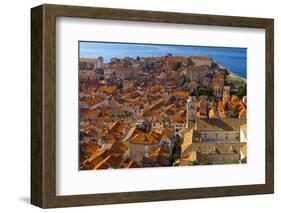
point(232, 58)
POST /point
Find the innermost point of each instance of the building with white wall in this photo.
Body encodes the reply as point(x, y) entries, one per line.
point(216, 141)
point(201, 60)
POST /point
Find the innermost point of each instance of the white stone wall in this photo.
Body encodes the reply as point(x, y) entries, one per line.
point(157, 125)
point(200, 62)
point(107, 73)
point(179, 126)
point(243, 137)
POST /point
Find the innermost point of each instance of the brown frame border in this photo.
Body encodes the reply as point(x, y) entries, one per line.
point(43, 105)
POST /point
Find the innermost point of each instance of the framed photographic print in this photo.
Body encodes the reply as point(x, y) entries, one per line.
point(137, 106)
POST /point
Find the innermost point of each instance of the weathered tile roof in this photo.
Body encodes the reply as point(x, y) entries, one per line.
point(216, 124)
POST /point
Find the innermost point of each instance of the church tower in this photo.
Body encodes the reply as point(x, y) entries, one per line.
point(226, 95)
point(99, 63)
point(191, 109)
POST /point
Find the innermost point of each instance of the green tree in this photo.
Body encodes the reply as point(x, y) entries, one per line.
point(234, 113)
point(186, 84)
point(242, 90)
point(127, 63)
point(177, 65)
point(204, 91)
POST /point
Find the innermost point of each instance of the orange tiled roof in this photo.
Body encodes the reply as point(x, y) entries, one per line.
point(97, 153)
point(94, 112)
point(216, 87)
point(159, 151)
point(182, 94)
point(94, 101)
point(206, 80)
point(205, 58)
point(99, 119)
point(119, 148)
point(86, 127)
point(110, 137)
point(83, 94)
point(107, 89)
point(220, 106)
point(178, 119)
point(158, 118)
point(151, 113)
point(114, 161)
point(144, 138)
point(134, 104)
point(131, 164)
point(219, 78)
point(90, 148)
point(87, 60)
point(102, 164)
point(194, 84)
point(180, 58)
point(201, 103)
point(154, 87)
point(243, 113)
point(118, 126)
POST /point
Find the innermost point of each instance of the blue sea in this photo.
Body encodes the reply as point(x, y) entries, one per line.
point(234, 59)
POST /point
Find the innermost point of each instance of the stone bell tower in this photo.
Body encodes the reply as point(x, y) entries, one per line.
point(226, 95)
point(191, 109)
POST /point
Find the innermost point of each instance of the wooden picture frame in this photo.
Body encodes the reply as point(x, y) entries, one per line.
point(43, 105)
